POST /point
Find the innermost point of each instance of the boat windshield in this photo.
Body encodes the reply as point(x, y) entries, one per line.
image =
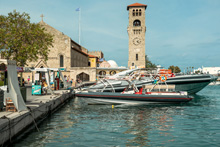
point(125, 73)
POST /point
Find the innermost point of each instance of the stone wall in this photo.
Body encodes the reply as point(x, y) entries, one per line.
point(98, 54)
point(84, 49)
point(61, 46)
point(74, 71)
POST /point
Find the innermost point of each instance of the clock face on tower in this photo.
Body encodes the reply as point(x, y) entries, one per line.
point(136, 41)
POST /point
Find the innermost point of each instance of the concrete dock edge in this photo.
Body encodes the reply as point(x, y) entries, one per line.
point(13, 124)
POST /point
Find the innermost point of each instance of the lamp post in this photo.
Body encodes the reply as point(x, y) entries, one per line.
point(32, 67)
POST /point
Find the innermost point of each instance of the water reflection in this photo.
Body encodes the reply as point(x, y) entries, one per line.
point(146, 120)
point(137, 121)
point(77, 124)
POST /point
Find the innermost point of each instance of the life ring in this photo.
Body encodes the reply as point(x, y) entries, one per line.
point(163, 78)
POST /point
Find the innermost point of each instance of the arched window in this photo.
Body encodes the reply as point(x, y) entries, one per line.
point(132, 64)
point(139, 12)
point(137, 23)
point(136, 57)
point(102, 73)
point(112, 72)
point(133, 12)
point(61, 60)
point(136, 12)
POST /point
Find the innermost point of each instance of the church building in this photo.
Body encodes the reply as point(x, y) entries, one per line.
point(66, 55)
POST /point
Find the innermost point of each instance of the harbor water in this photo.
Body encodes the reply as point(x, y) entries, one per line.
point(196, 123)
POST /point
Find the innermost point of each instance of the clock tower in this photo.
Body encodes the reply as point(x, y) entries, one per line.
point(136, 33)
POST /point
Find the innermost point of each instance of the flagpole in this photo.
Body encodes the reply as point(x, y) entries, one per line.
point(79, 24)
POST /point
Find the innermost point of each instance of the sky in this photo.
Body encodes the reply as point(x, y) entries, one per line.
point(184, 33)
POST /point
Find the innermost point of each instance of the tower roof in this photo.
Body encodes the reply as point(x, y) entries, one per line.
point(136, 5)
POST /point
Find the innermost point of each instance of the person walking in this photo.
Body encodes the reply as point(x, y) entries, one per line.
point(28, 79)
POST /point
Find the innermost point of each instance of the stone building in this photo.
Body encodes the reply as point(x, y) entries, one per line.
point(136, 32)
point(108, 68)
point(65, 54)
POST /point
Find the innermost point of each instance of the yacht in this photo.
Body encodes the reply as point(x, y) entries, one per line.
point(118, 82)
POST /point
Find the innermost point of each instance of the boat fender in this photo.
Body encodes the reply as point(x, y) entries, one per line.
point(163, 78)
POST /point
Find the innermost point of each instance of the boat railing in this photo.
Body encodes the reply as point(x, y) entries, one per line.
point(150, 88)
point(105, 85)
point(133, 76)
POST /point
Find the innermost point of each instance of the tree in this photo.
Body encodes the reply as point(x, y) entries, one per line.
point(21, 40)
point(148, 63)
point(175, 69)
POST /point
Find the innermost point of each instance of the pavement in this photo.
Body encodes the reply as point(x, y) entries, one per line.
point(30, 99)
point(40, 106)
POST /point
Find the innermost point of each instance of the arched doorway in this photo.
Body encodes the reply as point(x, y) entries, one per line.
point(83, 77)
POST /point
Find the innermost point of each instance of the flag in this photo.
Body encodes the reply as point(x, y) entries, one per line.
point(78, 9)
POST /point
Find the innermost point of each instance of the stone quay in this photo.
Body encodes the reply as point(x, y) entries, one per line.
point(13, 124)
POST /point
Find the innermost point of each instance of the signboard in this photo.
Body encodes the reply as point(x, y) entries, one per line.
point(36, 89)
point(62, 69)
point(36, 77)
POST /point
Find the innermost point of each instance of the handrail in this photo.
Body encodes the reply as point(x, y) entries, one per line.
point(110, 85)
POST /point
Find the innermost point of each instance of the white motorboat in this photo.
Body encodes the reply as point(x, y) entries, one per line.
point(148, 94)
point(190, 83)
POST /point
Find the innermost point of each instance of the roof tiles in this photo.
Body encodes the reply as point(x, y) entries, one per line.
point(136, 5)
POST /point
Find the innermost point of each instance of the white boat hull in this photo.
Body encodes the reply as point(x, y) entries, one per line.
point(115, 102)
